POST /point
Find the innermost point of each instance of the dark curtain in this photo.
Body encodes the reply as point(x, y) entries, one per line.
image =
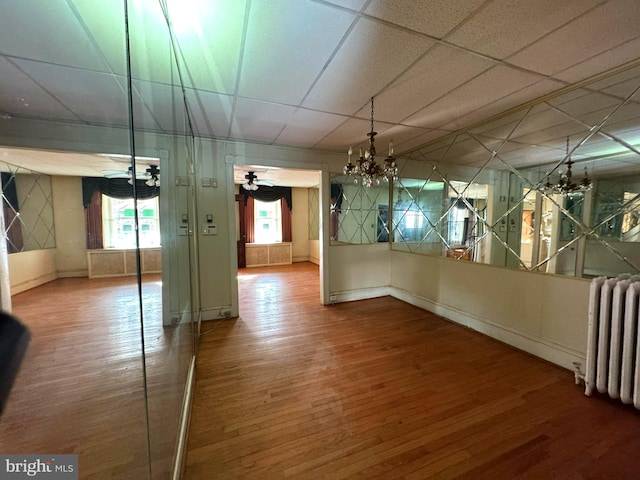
point(269, 194)
point(336, 207)
point(115, 188)
point(286, 221)
point(93, 221)
point(15, 241)
point(249, 226)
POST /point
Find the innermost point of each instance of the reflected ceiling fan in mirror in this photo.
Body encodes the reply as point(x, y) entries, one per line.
point(151, 175)
point(253, 182)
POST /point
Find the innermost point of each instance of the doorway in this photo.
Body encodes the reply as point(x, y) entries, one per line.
point(296, 221)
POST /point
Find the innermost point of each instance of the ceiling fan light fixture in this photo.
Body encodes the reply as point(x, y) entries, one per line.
point(153, 174)
point(250, 184)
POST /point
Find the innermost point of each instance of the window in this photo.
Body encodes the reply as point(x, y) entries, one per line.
point(118, 222)
point(267, 221)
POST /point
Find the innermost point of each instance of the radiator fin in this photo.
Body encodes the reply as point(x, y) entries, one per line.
point(613, 362)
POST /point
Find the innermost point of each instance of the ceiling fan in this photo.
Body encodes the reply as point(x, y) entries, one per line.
point(252, 181)
point(151, 174)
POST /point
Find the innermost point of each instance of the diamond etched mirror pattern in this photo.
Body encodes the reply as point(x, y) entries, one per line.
point(28, 209)
point(358, 214)
point(479, 195)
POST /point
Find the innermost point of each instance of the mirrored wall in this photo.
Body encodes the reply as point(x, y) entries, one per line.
point(107, 381)
point(28, 209)
point(553, 187)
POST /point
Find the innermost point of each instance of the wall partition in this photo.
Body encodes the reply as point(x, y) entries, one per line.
point(115, 395)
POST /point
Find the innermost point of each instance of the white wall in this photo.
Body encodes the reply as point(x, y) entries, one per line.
point(300, 225)
point(314, 251)
point(68, 214)
point(359, 271)
point(543, 314)
point(30, 269)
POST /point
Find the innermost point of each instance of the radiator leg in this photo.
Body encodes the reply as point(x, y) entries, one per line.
point(577, 372)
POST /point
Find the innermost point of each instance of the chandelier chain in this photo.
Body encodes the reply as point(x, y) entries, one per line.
point(372, 114)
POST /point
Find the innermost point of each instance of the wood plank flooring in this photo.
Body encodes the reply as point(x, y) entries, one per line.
point(381, 389)
point(80, 389)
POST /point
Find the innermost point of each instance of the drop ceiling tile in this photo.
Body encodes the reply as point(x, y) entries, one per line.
point(307, 127)
point(505, 26)
point(210, 112)
point(106, 24)
point(535, 129)
point(259, 121)
point(92, 96)
point(476, 94)
point(162, 106)
point(352, 133)
point(402, 135)
point(611, 24)
point(617, 79)
point(614, 57)
point(20, 95)
point(625, 89)
point(435, 17)
point(512, 100)
point(46, 31)
point(621, 116)
point(350, 4)
point(210, 43)
point(504, 126)
point(425, 83)
point(418, 141)
point(370, 58)
point(152, 57)
point(284, 53)
point(586, 104)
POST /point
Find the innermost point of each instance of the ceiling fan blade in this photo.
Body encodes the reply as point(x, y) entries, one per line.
point(266, 183)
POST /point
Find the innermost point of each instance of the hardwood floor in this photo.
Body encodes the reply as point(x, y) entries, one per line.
point(80, 389)
point(381, 389)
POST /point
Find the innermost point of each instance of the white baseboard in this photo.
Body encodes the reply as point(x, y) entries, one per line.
point(33, 283)
point(300, 259)
point(362, 294)
point(181, 444)
point(73, 273)
point(554, 353)
point(215, 313)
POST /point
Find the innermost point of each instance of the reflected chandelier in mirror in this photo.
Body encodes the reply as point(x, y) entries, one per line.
point(481, 194)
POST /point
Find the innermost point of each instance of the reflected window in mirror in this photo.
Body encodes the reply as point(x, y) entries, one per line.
point(118, 222)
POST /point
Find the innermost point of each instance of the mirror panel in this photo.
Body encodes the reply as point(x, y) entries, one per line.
point(358, 214)
point(28, 209)
point(501, 201)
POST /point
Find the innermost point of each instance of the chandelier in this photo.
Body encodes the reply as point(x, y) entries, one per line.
point(565, 184)
point(366, 170)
